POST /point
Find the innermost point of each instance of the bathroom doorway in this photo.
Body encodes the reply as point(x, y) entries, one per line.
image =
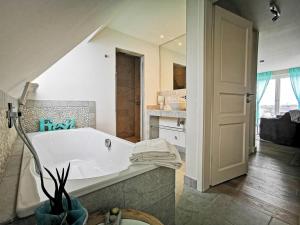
point(129, 95)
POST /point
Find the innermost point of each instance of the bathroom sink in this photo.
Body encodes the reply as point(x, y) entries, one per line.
point(178, 105)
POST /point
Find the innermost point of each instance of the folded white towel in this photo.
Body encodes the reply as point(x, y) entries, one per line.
point(171, 165)
point(158, 152)
point(152, 149)
point(157, 145)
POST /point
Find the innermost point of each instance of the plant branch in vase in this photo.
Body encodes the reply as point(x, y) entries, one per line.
point(60, 209)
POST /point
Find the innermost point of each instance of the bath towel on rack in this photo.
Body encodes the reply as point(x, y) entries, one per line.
point(158, 152)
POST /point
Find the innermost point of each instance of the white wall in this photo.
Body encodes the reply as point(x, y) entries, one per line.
point(167, 58)
point(195, 90)
point(85, 74)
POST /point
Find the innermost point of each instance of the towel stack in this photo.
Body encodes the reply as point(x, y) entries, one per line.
point(156, 151)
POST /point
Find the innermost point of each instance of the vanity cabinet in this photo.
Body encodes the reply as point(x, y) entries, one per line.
point(172, 130)
point(167, 124)
point(173, 123)
point(172, 136)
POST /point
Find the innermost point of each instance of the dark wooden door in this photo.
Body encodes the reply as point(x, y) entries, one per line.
point(179, 76)
point(128, 96)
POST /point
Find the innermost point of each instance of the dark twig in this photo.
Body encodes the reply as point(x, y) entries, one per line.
point(45, 191)
point(64, 190)
point(53, 178)
point(56, 202)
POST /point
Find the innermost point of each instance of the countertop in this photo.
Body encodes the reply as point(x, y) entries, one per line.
point(153, 111)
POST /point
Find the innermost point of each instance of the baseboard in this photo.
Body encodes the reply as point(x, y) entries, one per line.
point(190, 182)
point(252, 150)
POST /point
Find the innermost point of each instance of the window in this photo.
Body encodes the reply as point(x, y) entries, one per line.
point(287, 98)
point(267, 103)
point(278, 98)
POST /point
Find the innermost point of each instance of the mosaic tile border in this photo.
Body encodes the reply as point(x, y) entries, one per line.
point(84, 113)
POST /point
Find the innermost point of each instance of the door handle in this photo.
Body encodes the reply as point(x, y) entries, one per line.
point(248, 97)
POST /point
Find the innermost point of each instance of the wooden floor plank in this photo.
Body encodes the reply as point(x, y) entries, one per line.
point(272, 177)
point(269, 198)
point(272, 184)
point(274, 189)
point(254, 202)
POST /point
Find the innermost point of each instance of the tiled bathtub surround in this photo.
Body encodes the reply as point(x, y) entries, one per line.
point(84, 113)
point(7, 136)
point(152, 192)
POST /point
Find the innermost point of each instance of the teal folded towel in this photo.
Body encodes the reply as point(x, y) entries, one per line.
point(76, 216)
point(49, 125)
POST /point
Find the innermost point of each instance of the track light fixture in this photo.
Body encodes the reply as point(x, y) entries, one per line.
point(274, 9)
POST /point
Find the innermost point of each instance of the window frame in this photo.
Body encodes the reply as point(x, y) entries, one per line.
point(277, 78)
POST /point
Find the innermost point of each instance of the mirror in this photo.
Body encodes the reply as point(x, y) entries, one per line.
point(173, 64)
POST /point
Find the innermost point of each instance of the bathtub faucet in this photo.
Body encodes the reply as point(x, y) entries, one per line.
point(108, 143)
point(12, 118)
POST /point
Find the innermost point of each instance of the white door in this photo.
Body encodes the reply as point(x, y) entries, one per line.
point(232, 64)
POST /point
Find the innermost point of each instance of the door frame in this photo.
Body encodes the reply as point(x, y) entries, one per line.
point(142, 89)
point(199, 93)
point(200, 55)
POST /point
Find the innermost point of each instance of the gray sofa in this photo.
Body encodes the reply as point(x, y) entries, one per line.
point(280, 130)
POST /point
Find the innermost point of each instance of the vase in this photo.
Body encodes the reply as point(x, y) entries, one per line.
point(77, 216)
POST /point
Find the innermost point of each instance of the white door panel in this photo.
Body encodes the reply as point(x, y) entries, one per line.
point(232, 41)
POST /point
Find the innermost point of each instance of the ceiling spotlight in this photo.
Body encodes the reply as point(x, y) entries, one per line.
point(274, 9)
point(179, 43)
point(161, 36)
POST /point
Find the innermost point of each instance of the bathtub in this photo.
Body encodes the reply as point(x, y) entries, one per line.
point(84, 149)
point(97, 160)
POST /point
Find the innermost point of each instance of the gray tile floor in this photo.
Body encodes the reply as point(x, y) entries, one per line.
point(195, 208)
point(217, 208)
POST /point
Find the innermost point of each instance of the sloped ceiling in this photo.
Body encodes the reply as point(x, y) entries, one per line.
point(34, 34)
point(148, 19)
point(279, 44)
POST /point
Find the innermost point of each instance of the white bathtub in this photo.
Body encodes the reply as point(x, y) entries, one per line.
point(84, 149)
point(93, 165)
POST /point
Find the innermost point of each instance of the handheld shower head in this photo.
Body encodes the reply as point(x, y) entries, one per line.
point(29, 87)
